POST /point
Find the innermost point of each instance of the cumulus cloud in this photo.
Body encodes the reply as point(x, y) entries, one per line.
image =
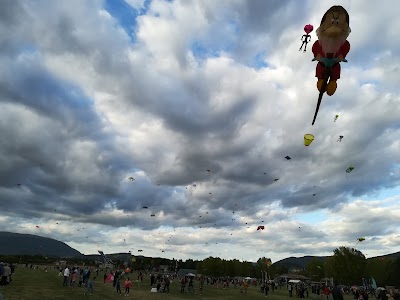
point(171, 89)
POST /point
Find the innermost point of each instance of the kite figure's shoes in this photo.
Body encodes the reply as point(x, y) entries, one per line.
point(319, 84)
point(331, 87)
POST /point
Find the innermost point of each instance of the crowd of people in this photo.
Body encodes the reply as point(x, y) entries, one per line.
point(80, 275)
point(192, 284)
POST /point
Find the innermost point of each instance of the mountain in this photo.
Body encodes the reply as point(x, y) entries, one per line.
point(28, 244)
point(298, 262)
point(389, 256)
point(301, 262)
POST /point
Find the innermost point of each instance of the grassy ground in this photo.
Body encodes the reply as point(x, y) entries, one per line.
point(38, 285)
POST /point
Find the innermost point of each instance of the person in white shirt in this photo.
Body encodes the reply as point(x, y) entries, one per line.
point(66, 276)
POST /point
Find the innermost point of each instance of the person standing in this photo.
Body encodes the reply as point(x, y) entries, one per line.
point(327, 292)
point(201, 285)
point(183, 284)
point(337, 293)
point(166, 285)
point(6, 274)
point(74, 277)
point(128, 284)
point(118, 285)
point(266, 288)
point(66, 276)
point(290, 289)
point(90, 286)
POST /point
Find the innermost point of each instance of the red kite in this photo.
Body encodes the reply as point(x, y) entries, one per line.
point(260, 227)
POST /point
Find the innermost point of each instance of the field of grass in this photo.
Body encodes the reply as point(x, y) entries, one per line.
point(30, 284)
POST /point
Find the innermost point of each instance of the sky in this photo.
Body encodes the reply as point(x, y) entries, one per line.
point(95, 92)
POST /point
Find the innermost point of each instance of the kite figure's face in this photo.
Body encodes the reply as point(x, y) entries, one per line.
point(335, 25)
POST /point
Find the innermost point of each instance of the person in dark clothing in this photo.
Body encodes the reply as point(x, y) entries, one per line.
point(337, 293)
point(266, 289)
point(382, 295)
point(166, 285)
point(118, 285)
point(183, 284)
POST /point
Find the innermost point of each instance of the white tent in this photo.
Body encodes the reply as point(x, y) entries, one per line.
point(295, 281)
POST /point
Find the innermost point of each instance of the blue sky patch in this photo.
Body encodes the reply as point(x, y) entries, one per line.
point(259, 61)
point(125, 14)
point(311, 217)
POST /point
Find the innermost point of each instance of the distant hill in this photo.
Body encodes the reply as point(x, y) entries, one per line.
point(390, 256)
point(301, 262)
point(28, 244)
point(298, 262)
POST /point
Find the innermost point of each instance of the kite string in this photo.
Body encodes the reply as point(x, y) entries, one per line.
point(348, 8)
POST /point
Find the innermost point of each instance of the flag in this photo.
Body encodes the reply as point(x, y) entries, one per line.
point(374, 286)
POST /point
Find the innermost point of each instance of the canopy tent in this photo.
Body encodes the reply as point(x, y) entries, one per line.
point(295, 281)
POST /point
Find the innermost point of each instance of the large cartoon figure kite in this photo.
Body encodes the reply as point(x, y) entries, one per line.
point(330, 49)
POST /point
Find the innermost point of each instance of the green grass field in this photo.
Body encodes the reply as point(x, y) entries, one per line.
point(30, 284)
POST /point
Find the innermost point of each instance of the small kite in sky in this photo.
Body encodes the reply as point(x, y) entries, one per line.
point(276, 179)
point(260, 227)
point(308, 139)
point(140, 250)
point(314, 194)
point(336, 117)
point(131, 178)
point(37, 226)
point(349, 169)
point(359, 240)
point(340, 138)
point(209, 172)
point(145, 207)
point(288, 157)
point(152, 215)
point(306, 38)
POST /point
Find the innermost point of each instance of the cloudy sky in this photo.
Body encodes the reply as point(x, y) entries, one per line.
point(94, 92)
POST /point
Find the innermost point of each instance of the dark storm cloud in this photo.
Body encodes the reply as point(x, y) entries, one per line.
point(49, 127)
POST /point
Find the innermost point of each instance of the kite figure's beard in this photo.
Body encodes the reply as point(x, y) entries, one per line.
point(331, 45)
